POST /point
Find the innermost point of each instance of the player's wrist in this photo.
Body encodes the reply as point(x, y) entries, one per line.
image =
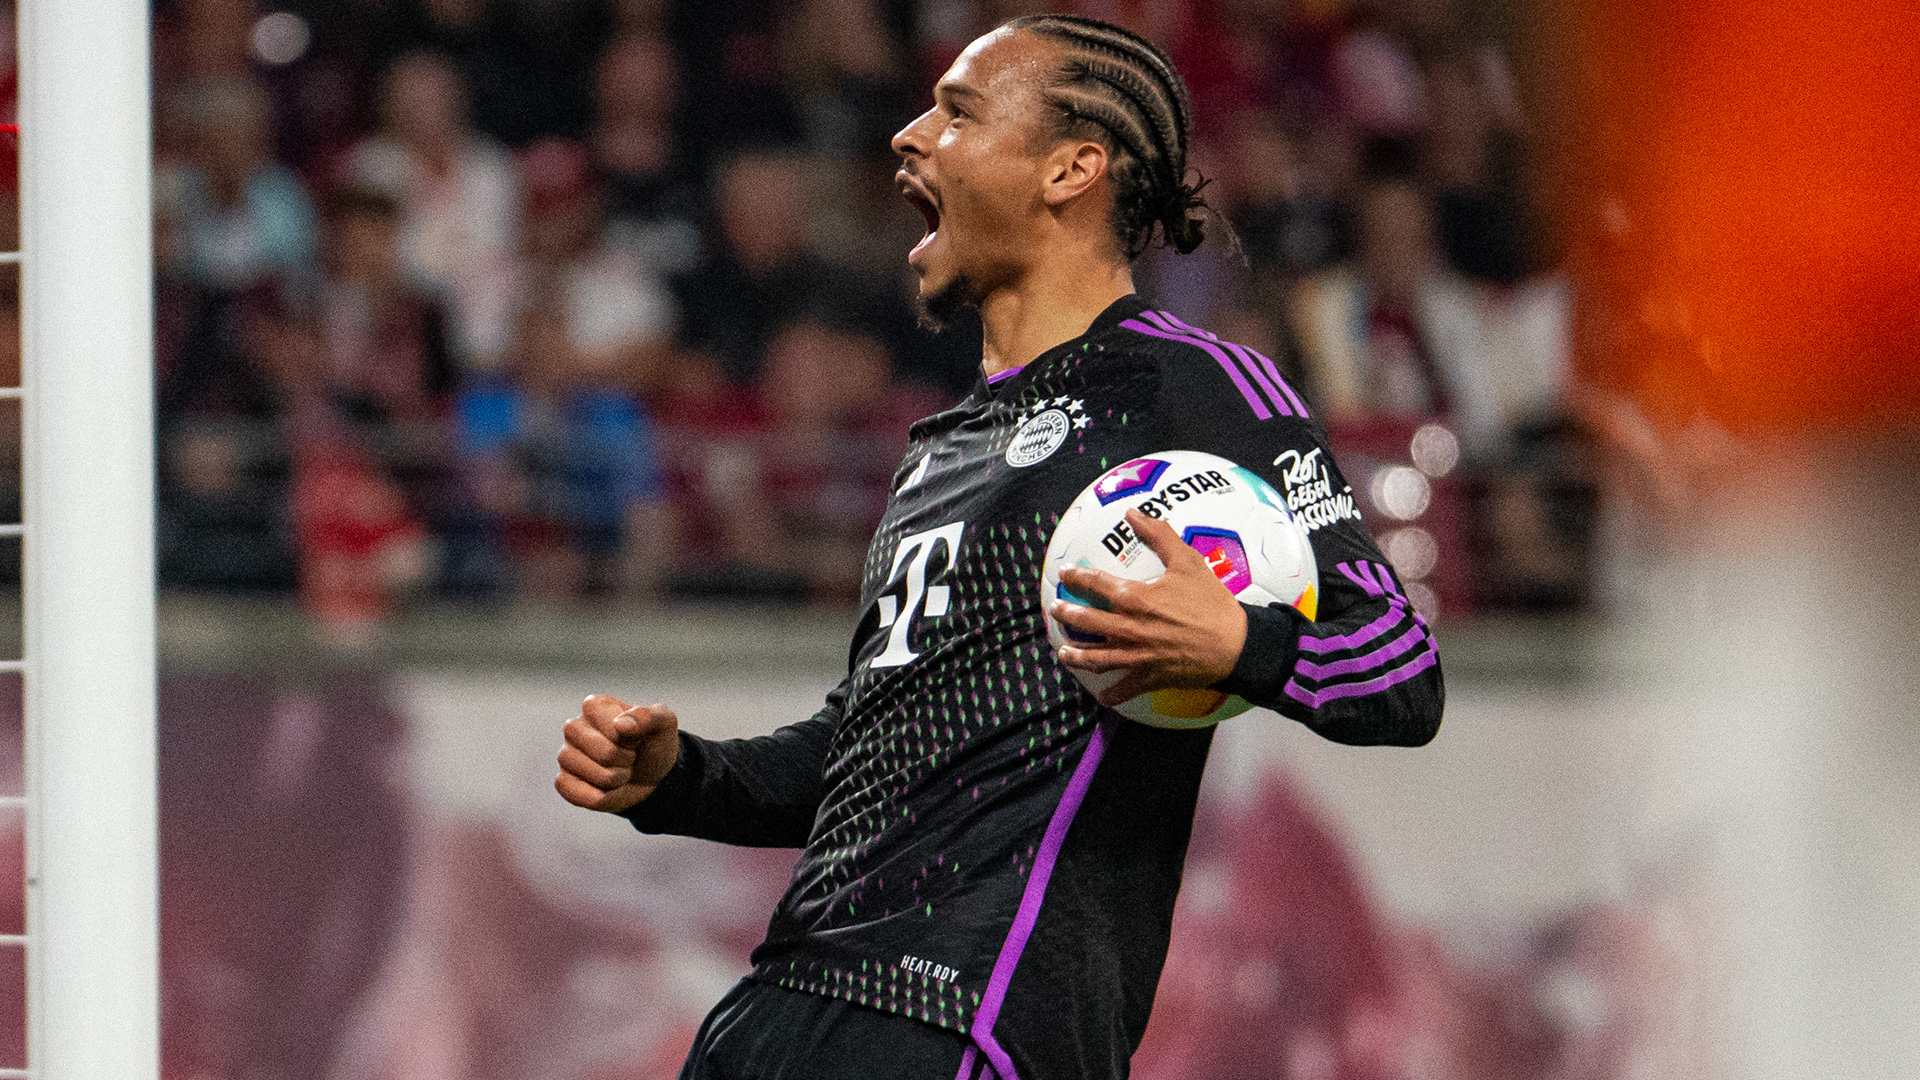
point(1267, 652)
point(677, 782)
point(1228, 642)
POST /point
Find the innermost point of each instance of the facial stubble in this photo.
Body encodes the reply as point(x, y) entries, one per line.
point(939, 308)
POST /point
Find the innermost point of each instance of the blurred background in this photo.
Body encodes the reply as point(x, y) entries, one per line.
point(512, 350)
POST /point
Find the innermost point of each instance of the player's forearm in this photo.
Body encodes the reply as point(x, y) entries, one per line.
point(760, 792)
point(1370, 676)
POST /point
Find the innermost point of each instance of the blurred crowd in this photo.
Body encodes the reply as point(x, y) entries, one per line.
point(554, 300)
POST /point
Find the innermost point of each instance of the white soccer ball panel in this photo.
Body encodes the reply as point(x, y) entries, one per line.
point(1227, 513)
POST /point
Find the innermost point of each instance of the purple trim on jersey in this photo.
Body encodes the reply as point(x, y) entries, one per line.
point(1025, 919)
point(1299, 406)
point(967, 1063)
point(1003, 376)
point(1279, 400)
point(1361, 574)
point(1316, 698)
point(1396, 609)
point(1260, 409)
point(1376, 658)
point(1172, 322)
point(1272, 370)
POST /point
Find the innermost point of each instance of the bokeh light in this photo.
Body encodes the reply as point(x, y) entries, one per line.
point(1412, 551)
point(280, 38)
point(1400, 491)
point(1435, 450)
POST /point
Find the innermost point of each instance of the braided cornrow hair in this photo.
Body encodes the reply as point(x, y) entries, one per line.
point(1118, 89)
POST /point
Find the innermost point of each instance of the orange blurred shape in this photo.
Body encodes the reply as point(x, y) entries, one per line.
point(1747, 208)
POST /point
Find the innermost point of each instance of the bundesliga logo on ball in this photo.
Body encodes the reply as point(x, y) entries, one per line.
point(1232, 517)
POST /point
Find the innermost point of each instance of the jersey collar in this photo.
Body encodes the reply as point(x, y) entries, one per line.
point(1127, 307)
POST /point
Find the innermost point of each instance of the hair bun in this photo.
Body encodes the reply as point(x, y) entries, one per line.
point(1182, 216)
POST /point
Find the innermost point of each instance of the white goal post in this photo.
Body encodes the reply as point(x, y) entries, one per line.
point(86, 310)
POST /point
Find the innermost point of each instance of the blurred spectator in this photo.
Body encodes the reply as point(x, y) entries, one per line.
point(1282, 201)
point(382, 350)
point(231, 229)
point(725, 221)
point(731, 57)
point(843, 64)
point(761, 273)
point(1396, 333)
point(564, 472)
point(204, 39)
point(728, 545)
point(365, 364)
point(459, 200)
point(653, 199)
point(561, 451)
point(526, 65)
point(1474, 162)
point(242, 217)
point(837, 431)
point(474, 37)
point(613, 315)
point(1396, 336)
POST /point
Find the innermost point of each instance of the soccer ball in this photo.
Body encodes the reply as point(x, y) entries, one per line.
point(1225, 512)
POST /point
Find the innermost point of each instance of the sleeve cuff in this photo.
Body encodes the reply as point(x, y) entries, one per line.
point(1267, 658)
point(657, 812)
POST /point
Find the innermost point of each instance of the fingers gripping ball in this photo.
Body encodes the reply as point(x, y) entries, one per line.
point(1232, 517)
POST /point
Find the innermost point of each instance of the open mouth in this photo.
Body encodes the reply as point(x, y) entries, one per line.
point(916, 192)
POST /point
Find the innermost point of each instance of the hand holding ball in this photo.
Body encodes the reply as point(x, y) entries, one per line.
point(1143, 579)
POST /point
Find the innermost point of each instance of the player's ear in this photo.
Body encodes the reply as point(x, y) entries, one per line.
point(1072, 169)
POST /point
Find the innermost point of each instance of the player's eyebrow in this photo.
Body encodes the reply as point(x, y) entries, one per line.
point(957, 91)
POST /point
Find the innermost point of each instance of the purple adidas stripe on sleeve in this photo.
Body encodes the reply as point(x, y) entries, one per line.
point(1245, 355)
point(1313, 699)
point(1260, 409)
point(1396, 611)
point(1375, 659)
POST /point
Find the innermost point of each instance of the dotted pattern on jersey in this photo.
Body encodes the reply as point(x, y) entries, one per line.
point(883, 986)
point(986, 687)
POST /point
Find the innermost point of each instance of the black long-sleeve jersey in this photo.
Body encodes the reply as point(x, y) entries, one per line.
point(986, 847)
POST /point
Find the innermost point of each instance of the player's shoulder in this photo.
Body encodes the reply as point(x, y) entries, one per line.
point(1199, 363)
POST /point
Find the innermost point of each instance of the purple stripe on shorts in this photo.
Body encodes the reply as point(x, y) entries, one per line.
point(1316, 698)
point(1396, 610)
point(1374, 659)
point(1029, 913)
point(966, 1064)
point(1003, 376)
point(1172, 322)
point(1246, 390)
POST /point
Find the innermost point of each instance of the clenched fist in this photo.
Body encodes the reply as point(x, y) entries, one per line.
point(616, 753)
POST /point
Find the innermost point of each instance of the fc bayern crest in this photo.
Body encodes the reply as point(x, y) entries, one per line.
point(1045, 431)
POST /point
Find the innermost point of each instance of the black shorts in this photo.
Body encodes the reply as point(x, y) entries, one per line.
point(764, 1032)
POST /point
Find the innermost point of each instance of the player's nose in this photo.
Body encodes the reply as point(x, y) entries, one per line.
point(911, 140)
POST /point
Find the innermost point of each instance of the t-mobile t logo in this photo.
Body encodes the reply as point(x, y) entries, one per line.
point(916, 552)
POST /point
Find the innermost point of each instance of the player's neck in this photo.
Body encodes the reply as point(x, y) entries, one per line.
point(1053, 302)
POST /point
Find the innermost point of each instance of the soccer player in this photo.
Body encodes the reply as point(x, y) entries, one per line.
point(990, 853)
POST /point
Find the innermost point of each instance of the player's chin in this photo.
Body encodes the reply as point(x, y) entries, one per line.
point(942, 297)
